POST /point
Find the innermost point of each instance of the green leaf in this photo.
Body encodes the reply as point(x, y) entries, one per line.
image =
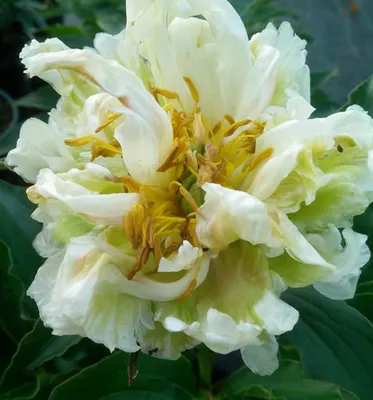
point(363, 302)
point(43, 98)
point(335, 341)
point(362, 95)
point(72, 36)
point(23, 391)
point(110, 376)
point(9, 123)
point(323, 103)
point(12, 320)
point(144, 395)
point(289, 382)
point(319, 78)
point(35, 349)
point(17, 231)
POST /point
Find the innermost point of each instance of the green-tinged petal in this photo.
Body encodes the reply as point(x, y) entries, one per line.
point(122, 49)
point(345, 254)
point(77, 293)
point(348, 258)
point(262, 359)
point(83, 290)
point(185, 258)
point(66, 83)
point(331, 181)
point(291, 71)
point(161, 343)
point(286, 180)
point(336, 203)
point(234, 305)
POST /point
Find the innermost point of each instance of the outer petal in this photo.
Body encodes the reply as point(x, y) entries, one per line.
point(39, 146)
point(143, 115)
point(66, 83)
point(70, 189)
point(338, 281)
point(262, 359)
point(291, 71)
point(121, 49)
point(161, 343)
point(77, 293)
point(348, 259)
point(234, 305)
point(333, 162)
point(84, 290)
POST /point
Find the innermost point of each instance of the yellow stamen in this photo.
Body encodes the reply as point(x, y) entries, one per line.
point(193, 90)
point(235, 126)
point(229, 118)
point(189, 290)
point(187, 196)
point(165, 93)
point(180, 147)
point(258, 158)
point(168, 107)
point(81, 141)
point(108, 122)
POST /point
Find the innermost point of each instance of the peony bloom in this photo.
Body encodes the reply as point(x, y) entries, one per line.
point(183, 187)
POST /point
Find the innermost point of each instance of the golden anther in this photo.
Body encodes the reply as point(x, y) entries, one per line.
point(193, 90)
point(217, 127)
point(229, 118)
point(189, 290)
point(165, 93)
point(235, 126)
point(130, 184)
point(180, 147)
point(258, 158)
point(187, 196)
point(108, 122)
point(81, 141)
point(168, 107)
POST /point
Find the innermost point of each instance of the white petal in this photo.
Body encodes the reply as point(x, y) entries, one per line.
point(38, 147)
point(80, 296)
point(186, 256)
point(291, 71)
point(66, 83)
point(228, 215)
point(349, 260)
point(104, 208)
point(262, 359)
point(217, 330)
point(178, 45)
point(143, 151)
point(277, 316)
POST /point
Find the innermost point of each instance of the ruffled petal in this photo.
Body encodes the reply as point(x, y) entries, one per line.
point(77, 293)
point(237, 302)
point(262, 359)
point(39, 146)
point(228, 215)
point(349, 259)
point(70, 190)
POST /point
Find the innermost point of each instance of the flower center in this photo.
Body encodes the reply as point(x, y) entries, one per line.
point(166, 216)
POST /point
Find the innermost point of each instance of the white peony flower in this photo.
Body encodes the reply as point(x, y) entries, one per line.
point(182, 187)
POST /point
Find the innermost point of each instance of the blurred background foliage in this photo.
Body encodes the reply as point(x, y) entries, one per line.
point(329, 355)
